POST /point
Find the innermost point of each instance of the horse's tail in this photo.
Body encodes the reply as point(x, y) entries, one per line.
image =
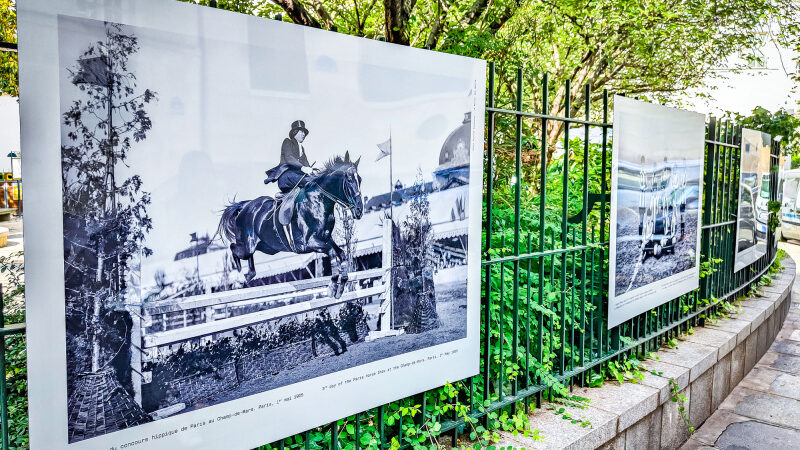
point(227, 223)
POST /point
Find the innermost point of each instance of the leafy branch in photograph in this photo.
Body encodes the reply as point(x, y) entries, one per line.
point(105, 215)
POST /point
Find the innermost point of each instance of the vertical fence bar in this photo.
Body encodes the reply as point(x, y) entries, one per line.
point(586, 105)
point(517, 212)
point(564, 224)
point(542, 200)
point(501, 321)
point(3, 396)
point(603, 192)
point(528, 320)
point(487, 319)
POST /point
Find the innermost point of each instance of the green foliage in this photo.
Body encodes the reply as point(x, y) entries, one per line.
point(417, 424)
point(774, 215)
point(561, 411)
point(780, 123)
point(626, 368)
point(16, 365)
point(787, 19)
point(680, 399)
point(709, 266)
point(9, 80)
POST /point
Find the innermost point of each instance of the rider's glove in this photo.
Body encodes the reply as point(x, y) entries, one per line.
point(306, 170)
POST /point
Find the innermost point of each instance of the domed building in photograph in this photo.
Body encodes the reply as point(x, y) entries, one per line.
point(453, 167)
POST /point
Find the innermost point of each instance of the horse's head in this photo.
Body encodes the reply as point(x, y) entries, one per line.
point(341, 180)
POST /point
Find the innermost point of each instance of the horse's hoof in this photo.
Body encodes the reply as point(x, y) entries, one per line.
point(249, 276)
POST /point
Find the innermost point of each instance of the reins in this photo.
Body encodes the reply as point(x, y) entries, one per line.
point(333, 197)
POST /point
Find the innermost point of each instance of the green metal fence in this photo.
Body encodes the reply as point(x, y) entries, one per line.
point(544, 263)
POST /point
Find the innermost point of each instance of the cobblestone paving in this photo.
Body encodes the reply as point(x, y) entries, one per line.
point(100, 405)
point(763, 411)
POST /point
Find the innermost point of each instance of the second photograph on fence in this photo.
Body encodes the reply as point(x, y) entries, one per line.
point(753, 213)
point(656, 192)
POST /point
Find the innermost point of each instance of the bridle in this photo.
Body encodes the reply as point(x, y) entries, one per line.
point(351, 202)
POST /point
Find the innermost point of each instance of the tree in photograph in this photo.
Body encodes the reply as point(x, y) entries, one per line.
point(345, 234)
point(105, 216)
point(414, 292)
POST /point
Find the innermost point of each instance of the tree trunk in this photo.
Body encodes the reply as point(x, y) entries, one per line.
point(96, 314)
point(298, 13)
point(396, 14)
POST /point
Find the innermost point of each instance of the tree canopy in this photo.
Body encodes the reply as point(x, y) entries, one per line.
point(780, 123)
point(8, 60)
point(649, 49)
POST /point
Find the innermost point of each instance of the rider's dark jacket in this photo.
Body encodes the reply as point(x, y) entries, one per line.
point(288, 173)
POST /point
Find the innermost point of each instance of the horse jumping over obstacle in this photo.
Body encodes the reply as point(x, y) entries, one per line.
point(252, 225)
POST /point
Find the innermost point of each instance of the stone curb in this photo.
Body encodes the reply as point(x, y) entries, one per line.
point(706, 366)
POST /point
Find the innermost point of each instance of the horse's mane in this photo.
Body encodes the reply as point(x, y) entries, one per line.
point(337, 162)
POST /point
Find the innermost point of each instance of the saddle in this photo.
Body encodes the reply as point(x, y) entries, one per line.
point(288, 204)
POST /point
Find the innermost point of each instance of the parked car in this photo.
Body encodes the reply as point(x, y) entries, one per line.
point(762, 209)
point(790, 209)
point(746, 233)
point(663, 223)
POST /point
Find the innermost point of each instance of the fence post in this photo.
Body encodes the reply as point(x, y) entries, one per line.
point(139, 321)
point(386, 312)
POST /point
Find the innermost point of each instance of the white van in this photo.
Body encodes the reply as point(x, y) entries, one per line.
point(790, 205)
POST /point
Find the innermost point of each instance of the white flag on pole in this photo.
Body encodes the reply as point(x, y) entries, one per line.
point(385, 149)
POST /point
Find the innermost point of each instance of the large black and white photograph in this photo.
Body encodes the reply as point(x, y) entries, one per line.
point(655, 206)
point(753, 212)
point(258, 217)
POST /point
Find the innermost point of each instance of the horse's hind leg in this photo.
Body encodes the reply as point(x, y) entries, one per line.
point(339, 273)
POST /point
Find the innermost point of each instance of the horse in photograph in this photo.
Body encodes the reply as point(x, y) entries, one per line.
point(252, 225)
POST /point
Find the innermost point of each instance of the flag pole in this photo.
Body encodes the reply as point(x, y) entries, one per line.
point(391, 177)
point(391, 213)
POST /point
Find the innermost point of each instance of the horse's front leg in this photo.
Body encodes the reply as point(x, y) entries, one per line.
point(338, 278)
point(237, 262)
point(341, 278)
point(251, 273)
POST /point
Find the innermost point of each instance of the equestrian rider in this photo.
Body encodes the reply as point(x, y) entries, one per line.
point(293, 170)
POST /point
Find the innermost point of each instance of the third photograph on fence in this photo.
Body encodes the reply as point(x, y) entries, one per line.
point(290, 223)
point(656, 187)
point(754, 186)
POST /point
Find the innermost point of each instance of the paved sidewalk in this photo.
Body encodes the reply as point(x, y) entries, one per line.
point(14, 246)
point(12, 251)
point(763, 411)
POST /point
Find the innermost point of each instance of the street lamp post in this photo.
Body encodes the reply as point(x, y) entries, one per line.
point(11, 155)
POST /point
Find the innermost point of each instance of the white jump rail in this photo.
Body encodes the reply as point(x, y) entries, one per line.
point(250, 295)
point(209, 328)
